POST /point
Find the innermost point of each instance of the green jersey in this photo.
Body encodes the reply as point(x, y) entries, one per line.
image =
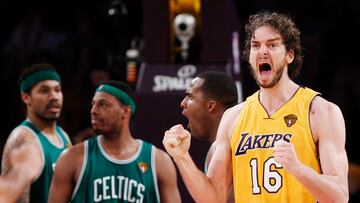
point(105, 179)
point(39, 189)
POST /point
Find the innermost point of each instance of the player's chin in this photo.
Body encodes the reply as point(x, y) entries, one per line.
point(97, 130)
point(52, 117)
point(95, 125)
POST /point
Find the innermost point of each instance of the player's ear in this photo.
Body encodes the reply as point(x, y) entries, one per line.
point(25, 97)
point(125, 112)
point(211, 105)
point(290, 56)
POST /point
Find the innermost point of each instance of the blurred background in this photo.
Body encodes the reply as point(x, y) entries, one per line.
point(159, 46)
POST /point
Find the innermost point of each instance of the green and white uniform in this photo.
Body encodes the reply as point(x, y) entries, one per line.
point(105, 179)
point(39, 189)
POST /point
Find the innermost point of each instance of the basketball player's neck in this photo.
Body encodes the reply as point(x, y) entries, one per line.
point(275, 97)
point(47, 126)
point(120, 148)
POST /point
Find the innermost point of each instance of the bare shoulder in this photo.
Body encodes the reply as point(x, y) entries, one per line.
point(73, 153)
point(234, 111)
point(20, 137)
point(70, 161)
point(322, 110)
point(165, 170)
point(320, 105)
point(166, 177)
point(325, 116)
point(228, 121)
point(164, 164)
point(161, 156)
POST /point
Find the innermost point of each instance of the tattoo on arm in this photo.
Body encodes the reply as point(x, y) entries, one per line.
point(7, 167)
point(18, 142)
point(5, 163)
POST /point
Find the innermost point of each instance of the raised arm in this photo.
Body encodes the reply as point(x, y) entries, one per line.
point(328, 128)
point(66, 174)
point(216, 186)
point(167, 178)
point(21, 165)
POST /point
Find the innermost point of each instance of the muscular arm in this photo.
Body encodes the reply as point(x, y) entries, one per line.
point(327, 123)
point(167, 179)
point(22, 163)
point(66, 174)
point(12, 186)
point(216, 186)
point(328, 128)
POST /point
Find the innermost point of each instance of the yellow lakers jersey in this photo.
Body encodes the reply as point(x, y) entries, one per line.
point(257, 177)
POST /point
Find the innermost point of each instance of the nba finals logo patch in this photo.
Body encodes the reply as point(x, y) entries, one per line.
point(290, 120)
point(143, 166)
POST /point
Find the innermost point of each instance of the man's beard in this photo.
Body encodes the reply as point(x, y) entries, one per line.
point(97, 131)
point(50, 118)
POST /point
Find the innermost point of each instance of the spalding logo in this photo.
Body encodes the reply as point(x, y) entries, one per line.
point(186, 71)
point(181, 82)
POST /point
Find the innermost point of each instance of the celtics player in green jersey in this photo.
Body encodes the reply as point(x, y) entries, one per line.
point(33, 147)
point(114, 166)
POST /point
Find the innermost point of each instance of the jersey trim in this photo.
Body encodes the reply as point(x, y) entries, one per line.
point(117, 161)
point(288, 101)
point(60, 146)
point(41, 149)
point(309, 113)
point(83, 167)
point(153, 166)
point(65, 135)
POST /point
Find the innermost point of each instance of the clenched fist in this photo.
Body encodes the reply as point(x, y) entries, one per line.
point(284, 154)
point(177, 141)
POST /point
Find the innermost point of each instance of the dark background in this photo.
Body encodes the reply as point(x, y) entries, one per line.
point(80, 38)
